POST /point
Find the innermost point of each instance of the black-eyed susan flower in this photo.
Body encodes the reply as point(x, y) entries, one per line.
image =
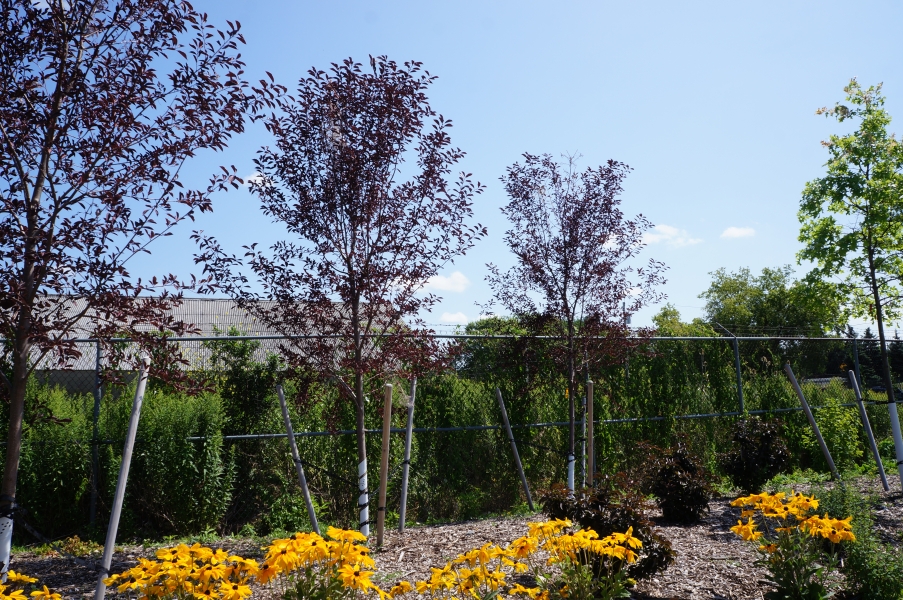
point(43, 594)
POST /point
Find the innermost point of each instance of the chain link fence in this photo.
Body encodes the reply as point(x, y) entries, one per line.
point(219, 460)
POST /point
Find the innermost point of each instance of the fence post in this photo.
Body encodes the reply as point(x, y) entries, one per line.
point(517, 463)
point(384, 465)
point(296, 458)
point(405, 466)
point(739, 375)
point(110, 540)
point(868, 431)
point(95, 462)
point(812, 423)
point(590, 434)
point(856, 360)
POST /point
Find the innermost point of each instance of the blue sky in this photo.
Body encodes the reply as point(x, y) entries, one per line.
point(711, 103)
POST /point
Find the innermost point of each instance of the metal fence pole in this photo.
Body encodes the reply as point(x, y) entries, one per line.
point(384, 465)
point(812, 423)
point(110, 541)
point(868, 431)
point(856, 361)
point(296, 458)
point(95, 462)
point(405, 467)
point(517, 463)
point(739, 375)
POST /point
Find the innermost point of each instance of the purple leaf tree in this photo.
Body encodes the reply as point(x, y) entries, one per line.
point(102, 103)
point(573, 276)
point(360, 176)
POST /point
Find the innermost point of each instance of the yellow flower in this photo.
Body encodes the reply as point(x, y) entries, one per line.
point(402, 587)
point(345, 535)
point(785, 529)
point(549, 528)
point(211, 572)
point(234, 591)
point(14, 577)
point(129, 584)
point(266, 572)
point(45, 594)
point(205, 593)
point(523, 547)
point(747, 530)
point(532, 593)
point(282, 556)
point(200, 552)
point(354, 577)
point(494, 579)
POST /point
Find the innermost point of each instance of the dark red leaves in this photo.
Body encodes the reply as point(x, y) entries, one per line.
point(574, 275)
point(362, 237)
point(96, 125)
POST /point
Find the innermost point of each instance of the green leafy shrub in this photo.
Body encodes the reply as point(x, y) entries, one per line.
point(612, 506)
point(839, 426)
point(176, 485)
point(888, 454)
point(873, 569)
point(54, 467)
point(759, 452)
point(679, 481)
point(246, 382)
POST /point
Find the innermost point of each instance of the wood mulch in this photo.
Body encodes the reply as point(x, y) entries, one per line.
point(712, 563)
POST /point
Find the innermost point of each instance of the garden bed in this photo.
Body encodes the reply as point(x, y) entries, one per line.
point(711, 563)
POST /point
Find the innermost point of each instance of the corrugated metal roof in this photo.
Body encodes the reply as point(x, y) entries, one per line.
point(210, 315)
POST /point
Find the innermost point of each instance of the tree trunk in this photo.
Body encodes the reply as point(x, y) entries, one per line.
point(14, 435)
point(13, 448)
point(364, 496)
point(885, 368)
point(572, 394)
point(363, 500)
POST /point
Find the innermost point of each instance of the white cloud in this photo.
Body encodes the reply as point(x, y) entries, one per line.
point(456, 282)
point(457, 318)
point(738, 232)
point(672, 236)
point(256, 177)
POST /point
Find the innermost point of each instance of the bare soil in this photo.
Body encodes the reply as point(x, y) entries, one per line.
point(712, 563)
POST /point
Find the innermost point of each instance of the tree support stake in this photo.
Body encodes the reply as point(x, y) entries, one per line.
point(405, 468)
point(296, 458)
point(110, 541)
point(517, 463)
point(868, 431)
point(812, 423)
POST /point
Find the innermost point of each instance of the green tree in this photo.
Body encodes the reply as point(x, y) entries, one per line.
point(772, 303)
point(668, 324)
point(852, 218)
